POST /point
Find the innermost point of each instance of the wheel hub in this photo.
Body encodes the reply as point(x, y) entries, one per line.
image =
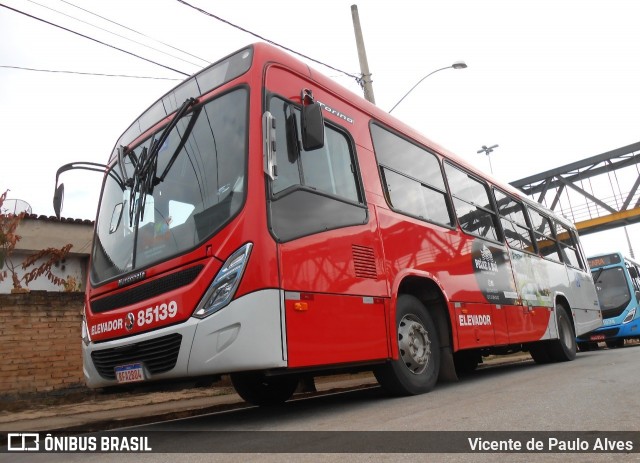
point(414, 344)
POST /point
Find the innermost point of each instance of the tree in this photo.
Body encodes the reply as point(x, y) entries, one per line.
point(9, 223)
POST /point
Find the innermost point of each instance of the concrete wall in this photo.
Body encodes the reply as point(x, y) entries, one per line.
point(39, 233)
point(73, 266)
point(40, 342)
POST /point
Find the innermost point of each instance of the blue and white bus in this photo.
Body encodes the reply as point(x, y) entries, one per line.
point(617, 280)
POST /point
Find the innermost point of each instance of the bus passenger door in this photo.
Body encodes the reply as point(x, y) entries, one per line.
point(330, 260)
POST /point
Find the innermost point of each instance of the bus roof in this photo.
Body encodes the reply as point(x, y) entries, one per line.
point(263, 53)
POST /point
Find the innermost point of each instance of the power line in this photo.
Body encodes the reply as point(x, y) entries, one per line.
point(134, 31)
point(357, 78)
point(110, 32)
point(85, 73)
point(92, 39)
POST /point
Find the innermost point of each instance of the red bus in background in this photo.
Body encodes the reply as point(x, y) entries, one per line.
point(261, 221)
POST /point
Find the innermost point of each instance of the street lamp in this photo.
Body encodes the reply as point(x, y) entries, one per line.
point(456, 65)
point(488, 151)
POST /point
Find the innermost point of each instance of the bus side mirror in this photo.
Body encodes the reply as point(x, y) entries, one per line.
point(312, 127)
point(58, 198)
point(633, 272)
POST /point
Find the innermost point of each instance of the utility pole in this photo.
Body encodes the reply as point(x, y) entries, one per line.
point(362, 56)
point(629, 243)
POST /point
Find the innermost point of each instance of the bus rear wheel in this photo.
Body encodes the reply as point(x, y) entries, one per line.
point(415, 371)
point(259, 389)
point(562, 349)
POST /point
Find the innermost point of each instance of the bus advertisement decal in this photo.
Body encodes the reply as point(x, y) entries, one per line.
point(493, 273)
point(532, 278)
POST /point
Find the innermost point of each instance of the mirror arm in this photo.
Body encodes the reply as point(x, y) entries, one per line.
point(58, 194)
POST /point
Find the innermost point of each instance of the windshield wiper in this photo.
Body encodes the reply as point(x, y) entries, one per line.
point(595, 278)
point(145, 168)
point(149, 165)
point(174, 155)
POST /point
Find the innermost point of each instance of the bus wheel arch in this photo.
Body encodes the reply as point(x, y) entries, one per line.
point(420, 303)
point(432, 297)
point(415, 371)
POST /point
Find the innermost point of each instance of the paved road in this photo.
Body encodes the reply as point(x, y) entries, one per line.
point(596, 392)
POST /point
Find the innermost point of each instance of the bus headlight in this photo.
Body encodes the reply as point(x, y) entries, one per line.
point(630, 316)
point(224, 285)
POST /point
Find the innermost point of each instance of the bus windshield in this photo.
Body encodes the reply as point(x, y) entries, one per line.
point(612, 288)
point(203, 162)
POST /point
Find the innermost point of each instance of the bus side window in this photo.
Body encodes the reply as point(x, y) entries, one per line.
point(516, 230)
point(568, 246)
point(411, 177)
point(317, 190)
point(471, 203)
point(330, 169)
point(543, 233)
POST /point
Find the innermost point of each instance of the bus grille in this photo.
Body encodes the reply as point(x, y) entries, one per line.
point(146, 290)
point(158, 355)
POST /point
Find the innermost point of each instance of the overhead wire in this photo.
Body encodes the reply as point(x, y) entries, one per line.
point(114, 33)
point(358, 79)
point(136, 32)
point(94, 40)
point(86, 73)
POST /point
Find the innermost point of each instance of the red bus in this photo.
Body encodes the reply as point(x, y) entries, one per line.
point(261, 221)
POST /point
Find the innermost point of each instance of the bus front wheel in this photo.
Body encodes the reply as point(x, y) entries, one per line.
point(258, 389)
point(415, 371)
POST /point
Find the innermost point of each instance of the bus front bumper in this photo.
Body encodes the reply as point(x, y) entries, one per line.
point(248, 334)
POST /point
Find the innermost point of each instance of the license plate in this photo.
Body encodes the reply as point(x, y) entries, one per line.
point(597, 337)
point(130, 373)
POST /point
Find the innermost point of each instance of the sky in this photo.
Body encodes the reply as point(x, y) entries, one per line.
point(550, 81)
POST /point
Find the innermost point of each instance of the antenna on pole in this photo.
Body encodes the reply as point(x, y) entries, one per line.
point(488, 151)
point(362, 56)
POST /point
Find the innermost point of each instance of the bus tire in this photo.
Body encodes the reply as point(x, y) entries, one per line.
point(415, 371)
point(564, 348)
point(258, 389)
point(540, 352)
